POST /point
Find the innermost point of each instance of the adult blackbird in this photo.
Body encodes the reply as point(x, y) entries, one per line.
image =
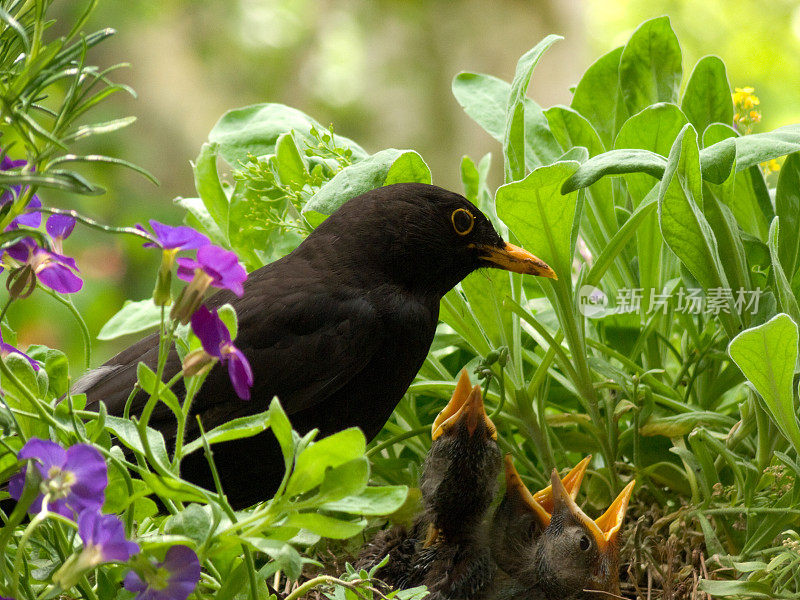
point(337, 329)
point(447, 549)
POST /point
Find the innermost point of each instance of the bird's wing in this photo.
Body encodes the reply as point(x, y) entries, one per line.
point(304, 339)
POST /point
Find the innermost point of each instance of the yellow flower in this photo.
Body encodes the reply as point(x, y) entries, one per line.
point(771, 166)
point(745, 102)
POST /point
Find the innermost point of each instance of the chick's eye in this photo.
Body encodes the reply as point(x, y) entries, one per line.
point(584, 543)
point(463, 221)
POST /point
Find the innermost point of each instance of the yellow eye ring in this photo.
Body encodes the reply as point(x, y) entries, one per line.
point(460, 228)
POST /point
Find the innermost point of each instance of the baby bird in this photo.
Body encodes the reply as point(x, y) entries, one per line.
point(521, 516)
point(447, 550)
point(574, 556)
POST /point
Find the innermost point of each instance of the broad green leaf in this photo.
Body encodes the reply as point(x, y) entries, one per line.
point(290, 165)
point(707, 98)
point(756, 148)
point(195, 522)
point(767, 355)
point(347, 479)
point(373, 501)
point(364, 176)
point(729, 239)
point(485, 99)
point(133, 317)
point(332, 451)
point(597, 96)
point(683, 225)
point(279, 423)
point(147, 381)
point(740, 589)
point(615, 162)
point(485, 291)
point(650, 66)
point(284, 554)
point(198, 217)
point(786, 301)
point(787, 207)
point(206, 180)
point(570, 128)
point(234, 429)
point(18, 398)
point(540, 216)
point(653, 129)
point(57, 367)
point(128, 434)
point(255, 130)
point(514, 132)
point(326, 526)
point(408, 168)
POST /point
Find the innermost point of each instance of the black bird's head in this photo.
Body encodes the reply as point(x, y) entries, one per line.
point(422, 237)
point(522, 517)
point(459, 477)
point(576, 555)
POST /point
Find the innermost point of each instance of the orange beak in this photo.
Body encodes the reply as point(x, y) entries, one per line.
point(462, 406)
point(516, 259)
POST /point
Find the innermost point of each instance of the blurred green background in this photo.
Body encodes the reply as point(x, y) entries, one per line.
point(379, 71)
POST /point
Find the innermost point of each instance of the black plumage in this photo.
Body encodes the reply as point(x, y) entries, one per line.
point(447, 549)
point(337, 329)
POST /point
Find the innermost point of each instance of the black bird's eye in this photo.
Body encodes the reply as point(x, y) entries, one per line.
point(584, 543)
point(463, 221)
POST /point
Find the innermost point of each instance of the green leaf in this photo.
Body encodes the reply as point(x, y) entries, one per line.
point(133, 317)
point(597, 96)
point(653, 129)
point(786, 300)
point(195, 522)
point(756, 148)
point(255, 130)
point(373, 501)
point(17, 398)
point(279, 423)
point(290, 165)
point(408, 168)
point(199, 218)
point(650, 66)
point(707, 98)
point(288, 559)
point(147, 381)
point(514, 130)
point(332, 451)
point(326, 526)
point(364, 176)
point(683, 225)
point(234, 429)
point(787, 207)
point(128, 434)
point(744, 589)
point(485, 291)
point(540, 217)
point(57, 367)
point(767, 355)
point(615, 162)
point(485, 99)
point(206, 180)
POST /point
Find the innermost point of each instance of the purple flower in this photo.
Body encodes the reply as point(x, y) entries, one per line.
point(6, 349)
point(174, 238)
point(55, 271)
point(29, 219)
point(173, 579)
point(75, 479)
point(214, 266)
point(59, 227)
point(104, 538)
point(216, 340)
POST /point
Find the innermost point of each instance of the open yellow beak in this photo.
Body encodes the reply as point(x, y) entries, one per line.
point(463, 405)
point(516, 259)
point(604, 529)
point(541, 503)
